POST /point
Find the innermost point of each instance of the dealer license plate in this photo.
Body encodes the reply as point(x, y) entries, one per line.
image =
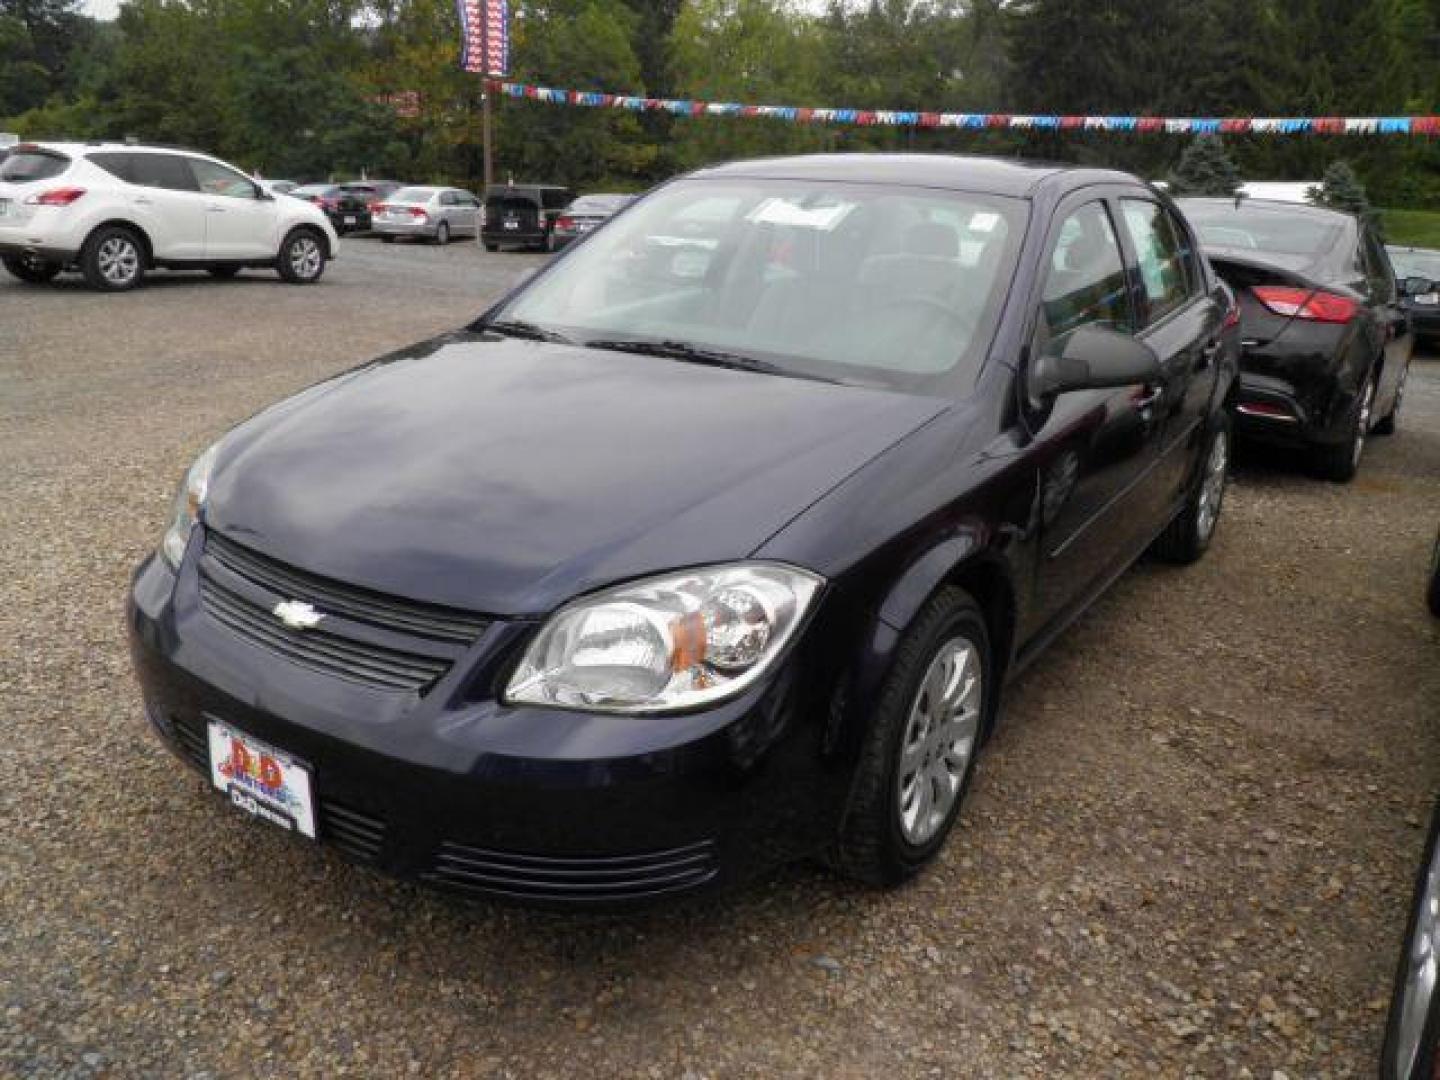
point(349, 219)
point(264, 782)
point(512, 224)
point(1423, 298)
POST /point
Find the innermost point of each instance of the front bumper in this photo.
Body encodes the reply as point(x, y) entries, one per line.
point(452, 788)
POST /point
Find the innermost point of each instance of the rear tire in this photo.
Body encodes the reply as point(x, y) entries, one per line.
point(1187, 537)
point(491, 247)
point(386, 238)
point(442, 233)
point(32, 268)
point(113, 259)
point(1387, 423)
point(302, 257)
point(920, 752)
point(1341, 463)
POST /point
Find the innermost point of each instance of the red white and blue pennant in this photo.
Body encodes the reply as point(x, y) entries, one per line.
point(1286, 125)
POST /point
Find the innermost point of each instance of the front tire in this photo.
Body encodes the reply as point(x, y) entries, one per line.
point(1187, 537)
point(1411, 1029)
point(113, 259)
point(1432, 591)
point(1341, 463)
point(920, 752)
point(31, 268)
point(302, 257)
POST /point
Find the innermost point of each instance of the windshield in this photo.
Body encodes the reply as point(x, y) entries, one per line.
point(860, 283)
point(413, 195)
point(1419, 263)
point(1261, 228)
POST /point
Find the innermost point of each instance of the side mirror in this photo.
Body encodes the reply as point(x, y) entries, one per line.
point(1093, 358)
point(1414, 286)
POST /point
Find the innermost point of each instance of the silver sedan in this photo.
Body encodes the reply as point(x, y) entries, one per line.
point(433, 213)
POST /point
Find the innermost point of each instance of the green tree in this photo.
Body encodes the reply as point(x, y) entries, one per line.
point(1205, 169)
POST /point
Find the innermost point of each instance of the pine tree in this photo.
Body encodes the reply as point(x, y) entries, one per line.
point(1205, 169)
point(1341, 189)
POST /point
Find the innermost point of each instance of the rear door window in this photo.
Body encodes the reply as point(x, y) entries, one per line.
point(1158, 256)
point(25, 166)
point(168, 171)
point(117, 165)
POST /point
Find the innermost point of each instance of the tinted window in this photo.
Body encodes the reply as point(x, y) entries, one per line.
point(26, 166)
point(216, 179)
point(447, 198)
point(162, 171)
point(1085, 279)
point(117, 165)
point(1157, 253)
point(861, 283)
point(413, 195)
point(557, 199)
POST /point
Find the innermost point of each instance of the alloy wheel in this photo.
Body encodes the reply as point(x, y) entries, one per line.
point(119, 260)
point(1362, 419)
point(305, 257)
point(939, 740)
point(1422, 965)
point(1212, 485)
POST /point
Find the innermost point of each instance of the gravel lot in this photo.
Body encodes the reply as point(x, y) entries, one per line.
point(1188, 851)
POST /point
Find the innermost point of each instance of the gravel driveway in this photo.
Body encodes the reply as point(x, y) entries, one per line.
point(1189, 849)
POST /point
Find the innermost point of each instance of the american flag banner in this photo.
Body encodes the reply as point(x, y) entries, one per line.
point(484, 36)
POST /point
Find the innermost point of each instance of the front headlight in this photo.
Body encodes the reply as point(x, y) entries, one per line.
point(665, 643)
point(189, 501)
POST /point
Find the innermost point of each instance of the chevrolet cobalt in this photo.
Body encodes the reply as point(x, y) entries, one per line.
point(712, 545)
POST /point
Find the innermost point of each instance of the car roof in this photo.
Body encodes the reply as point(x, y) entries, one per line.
point(960, 172)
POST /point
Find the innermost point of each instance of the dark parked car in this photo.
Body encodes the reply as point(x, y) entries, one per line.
point(523, 215)
point(1411, 1050)
point(1325, 339)
point(349, 205)
point(1417, 279)
point(685, 560)
point(586, 214)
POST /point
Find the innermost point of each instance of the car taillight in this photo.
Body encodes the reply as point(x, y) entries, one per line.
point(326, 204)
point(1312, 304)
point(1232, 317)
point(418, 214)
point(56, 196)
point(565, 223)
point(375, 207)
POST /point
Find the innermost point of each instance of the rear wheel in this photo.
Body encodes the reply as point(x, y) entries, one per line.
point(491, 247)
point(1186, 538)
point(1387, 423)
point(302, 258)
point(113, 259)
point(442, 233)
point(920, 752)
point(31, 268)
point(1341, 462)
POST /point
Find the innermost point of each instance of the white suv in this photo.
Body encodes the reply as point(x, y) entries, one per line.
point(114, 211)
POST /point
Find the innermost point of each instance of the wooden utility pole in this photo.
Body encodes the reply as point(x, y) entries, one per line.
point(485, 133)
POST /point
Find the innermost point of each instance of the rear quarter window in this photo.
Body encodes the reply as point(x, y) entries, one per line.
point(27, 166)
point(117, 165)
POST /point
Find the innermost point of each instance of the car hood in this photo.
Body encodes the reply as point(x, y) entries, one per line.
point(506, 476)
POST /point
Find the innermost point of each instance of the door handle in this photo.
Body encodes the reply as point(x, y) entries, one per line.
point(1147, 397)
point(214, 209)
point(142, 201)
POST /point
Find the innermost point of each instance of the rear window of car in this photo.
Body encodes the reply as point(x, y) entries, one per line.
point(1424, 264)
point(313, 189)
point(598, 204)
point(27, 165)
point(1261, 228)
point(413, 195)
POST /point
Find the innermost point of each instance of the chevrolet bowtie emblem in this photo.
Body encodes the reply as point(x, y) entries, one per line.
point(297, 614)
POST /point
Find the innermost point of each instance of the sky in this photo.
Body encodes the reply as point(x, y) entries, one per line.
point(100, 9)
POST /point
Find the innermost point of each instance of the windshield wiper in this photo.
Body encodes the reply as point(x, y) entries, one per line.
point(698, 354)
point(519, 328)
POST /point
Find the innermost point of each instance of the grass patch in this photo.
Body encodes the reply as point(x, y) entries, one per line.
point(1412, 228)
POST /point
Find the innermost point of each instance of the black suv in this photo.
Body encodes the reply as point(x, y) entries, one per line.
point(523, 215)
